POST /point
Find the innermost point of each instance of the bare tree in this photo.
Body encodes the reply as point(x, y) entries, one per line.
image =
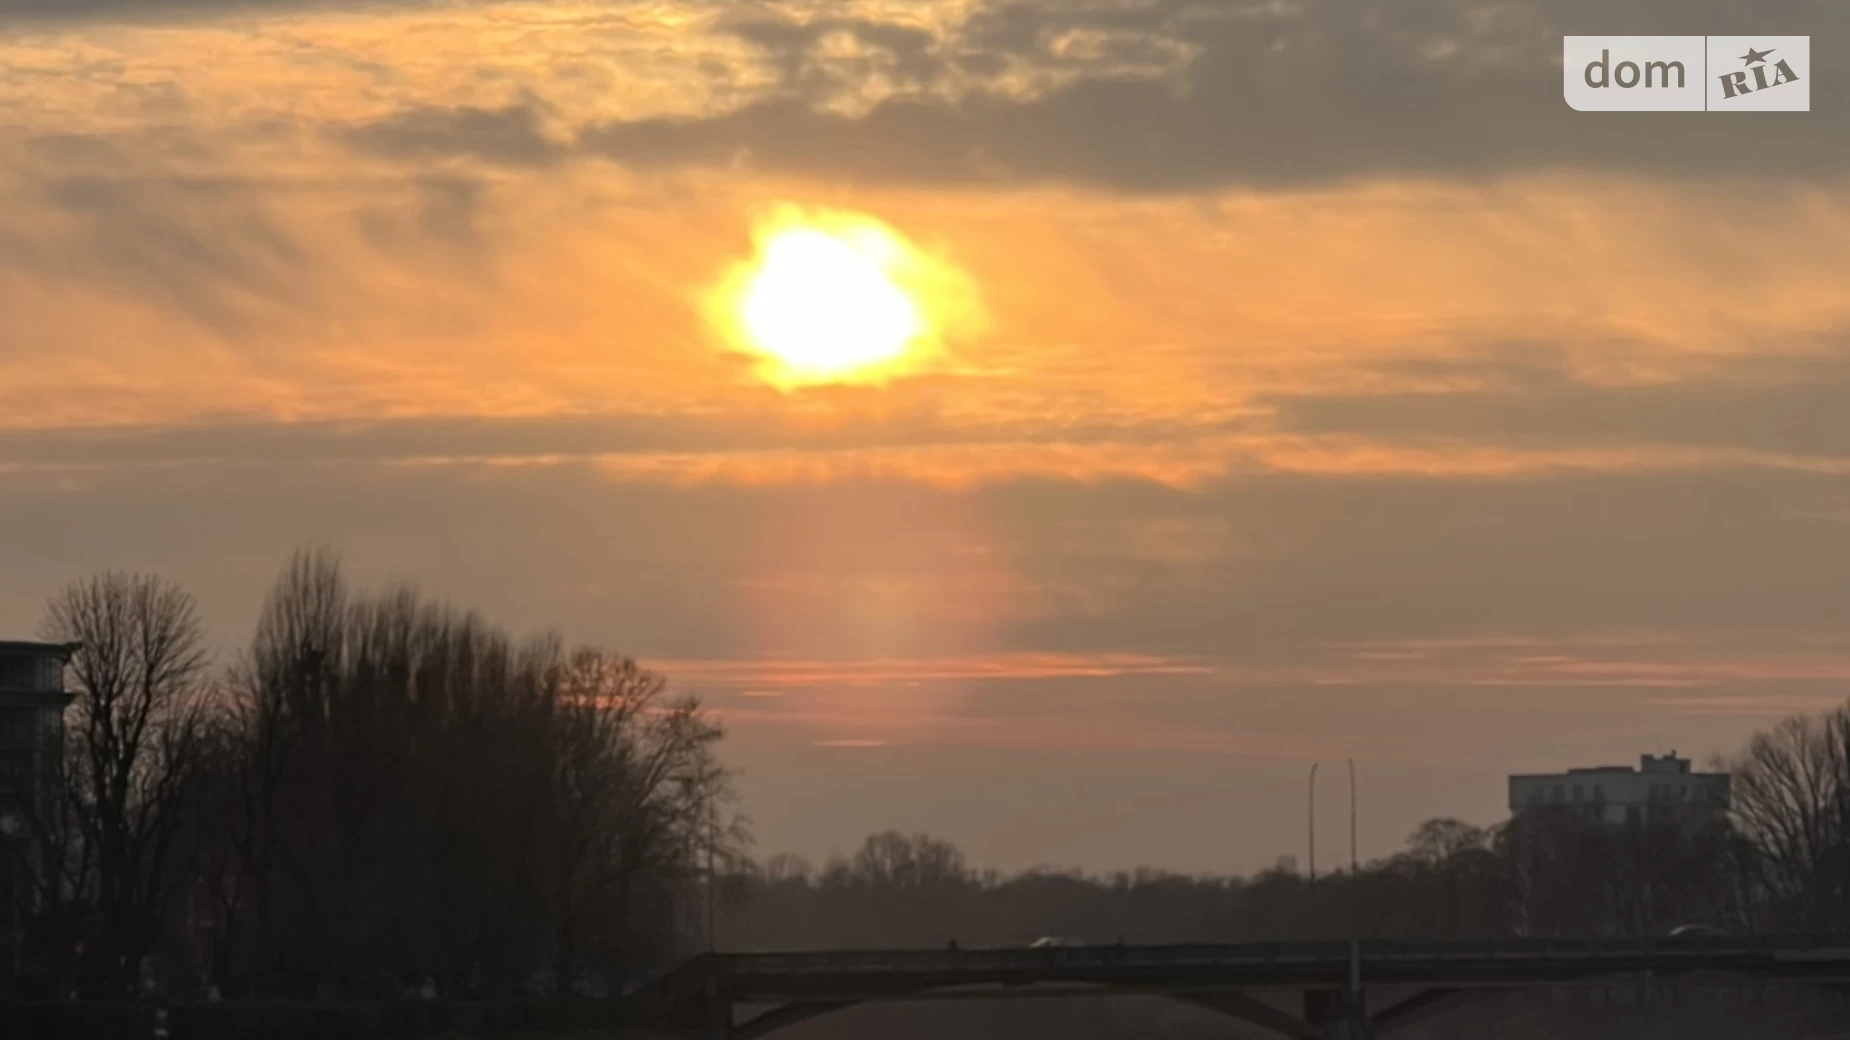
point(1438, 840)
point(1792, 800)
point(919, 862)
point(637, 788)
point(134, 738)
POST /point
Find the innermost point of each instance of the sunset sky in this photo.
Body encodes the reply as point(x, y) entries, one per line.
point(1305, 381)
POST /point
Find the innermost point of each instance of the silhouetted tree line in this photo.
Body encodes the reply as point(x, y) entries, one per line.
point(1782, 863)
point(382, 794)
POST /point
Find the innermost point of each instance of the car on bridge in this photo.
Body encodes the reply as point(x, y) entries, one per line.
point(1054, 942)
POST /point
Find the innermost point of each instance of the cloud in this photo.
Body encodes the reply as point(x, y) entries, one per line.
point(954, 463)
point(911, 49)
point(1163, 95)
point(206, 246)
point(1516, 398)
point(37, 11)
point(605, 437)
point(1506, 412)
point(1250, 94)
point(784, 673)
point(758, 444)
point(514, 134)
point(1712, 579)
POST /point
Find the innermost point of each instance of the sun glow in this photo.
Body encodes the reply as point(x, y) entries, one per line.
point(838, 298)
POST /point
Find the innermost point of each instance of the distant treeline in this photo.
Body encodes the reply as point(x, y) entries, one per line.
point(1781, 864)
point(381, 796)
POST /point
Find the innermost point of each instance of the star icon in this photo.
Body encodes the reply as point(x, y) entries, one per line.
point(1753, 57)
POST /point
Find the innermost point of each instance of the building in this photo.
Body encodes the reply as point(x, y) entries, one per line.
point(32, 704)
point(1661, 789)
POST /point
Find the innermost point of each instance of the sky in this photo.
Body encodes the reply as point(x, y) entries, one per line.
point(1312, 384)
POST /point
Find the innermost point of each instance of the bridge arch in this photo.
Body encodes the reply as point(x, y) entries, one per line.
point(1239, 1006)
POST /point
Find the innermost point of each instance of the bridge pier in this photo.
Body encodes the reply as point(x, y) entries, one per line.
point(1339, 1014)
point(717, 1026)
point(705, 1015)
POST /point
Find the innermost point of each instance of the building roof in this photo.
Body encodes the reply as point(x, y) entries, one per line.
point(1648, 765)
point(26, 646)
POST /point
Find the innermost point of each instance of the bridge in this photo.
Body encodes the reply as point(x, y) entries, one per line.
point(1331, 981)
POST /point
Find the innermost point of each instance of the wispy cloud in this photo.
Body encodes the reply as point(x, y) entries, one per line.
point(1180, 462)
point(774, 673)
point(1622, 659)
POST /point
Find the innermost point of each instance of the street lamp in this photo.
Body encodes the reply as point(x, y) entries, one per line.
point(1313, 823)
point(1310, 889)
point(1353, 868)
point(712, 877)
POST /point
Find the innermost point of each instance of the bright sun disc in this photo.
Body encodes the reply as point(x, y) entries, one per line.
point(837, 298)
point(823, 303)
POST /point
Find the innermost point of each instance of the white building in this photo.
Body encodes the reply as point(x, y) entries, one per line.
point(1662, 788)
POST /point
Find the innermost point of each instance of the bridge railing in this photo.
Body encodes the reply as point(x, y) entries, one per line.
point(977, 960)
point(971, 961)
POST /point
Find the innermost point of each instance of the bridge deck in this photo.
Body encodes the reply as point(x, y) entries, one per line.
point(865, 974)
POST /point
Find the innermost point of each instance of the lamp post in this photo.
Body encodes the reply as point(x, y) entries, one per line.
point(712, 877)
point(1313, 823)
point(1310, 889)
point(1353, 866)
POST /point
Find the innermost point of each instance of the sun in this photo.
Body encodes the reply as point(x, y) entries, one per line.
point(825, 304)
point(837, 298)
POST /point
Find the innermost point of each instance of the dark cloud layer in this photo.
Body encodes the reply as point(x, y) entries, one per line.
point(513, 135)
point(1311, 560)
point(1775, 405)
point(1162, 95)
point(1326, 90)
point(1180, 95)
